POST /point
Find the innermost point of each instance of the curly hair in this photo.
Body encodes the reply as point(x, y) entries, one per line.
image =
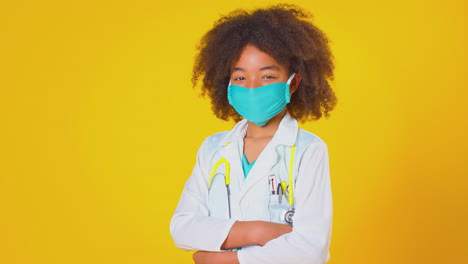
point(282, 31)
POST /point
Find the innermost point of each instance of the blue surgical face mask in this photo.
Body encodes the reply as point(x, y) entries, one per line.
point(259, 105)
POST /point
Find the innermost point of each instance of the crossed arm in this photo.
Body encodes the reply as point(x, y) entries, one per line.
point(193, 229)
point(242, 233)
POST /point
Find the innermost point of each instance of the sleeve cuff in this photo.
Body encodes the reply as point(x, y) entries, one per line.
point(225, 232)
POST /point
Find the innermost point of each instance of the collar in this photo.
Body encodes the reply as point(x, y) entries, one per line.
point(285, 135)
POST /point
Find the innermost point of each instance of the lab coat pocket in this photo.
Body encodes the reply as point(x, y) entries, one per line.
point(277, 208)
point(278, 203)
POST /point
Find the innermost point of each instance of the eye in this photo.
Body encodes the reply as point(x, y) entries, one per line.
point(269, 77)
point(240, 78)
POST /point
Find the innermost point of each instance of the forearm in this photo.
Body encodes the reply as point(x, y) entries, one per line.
point(206, 257)
point(247, 233)
point(241, 235)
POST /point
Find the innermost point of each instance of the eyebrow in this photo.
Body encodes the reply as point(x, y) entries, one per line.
point(270, 67)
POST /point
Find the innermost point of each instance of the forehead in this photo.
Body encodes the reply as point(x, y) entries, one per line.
point(252, 58)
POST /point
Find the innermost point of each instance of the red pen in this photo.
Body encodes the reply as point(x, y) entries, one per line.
point(272, 185)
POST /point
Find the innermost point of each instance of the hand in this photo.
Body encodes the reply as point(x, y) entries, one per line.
point(208, 257)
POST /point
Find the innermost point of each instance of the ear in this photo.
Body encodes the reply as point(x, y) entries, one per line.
point(295, 83)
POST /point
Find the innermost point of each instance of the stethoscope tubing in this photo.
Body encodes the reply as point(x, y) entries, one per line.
point(227, 180)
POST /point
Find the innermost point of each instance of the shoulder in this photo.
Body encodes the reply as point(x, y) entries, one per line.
point(209, 146)
point(222, 138)
point(309, 148)
point(306, 139)
point(215, 140)
point(211, 143)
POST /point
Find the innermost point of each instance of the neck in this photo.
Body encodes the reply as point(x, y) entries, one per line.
point(268, 130)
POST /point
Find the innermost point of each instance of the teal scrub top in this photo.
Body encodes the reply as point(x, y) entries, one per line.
point(246, 166)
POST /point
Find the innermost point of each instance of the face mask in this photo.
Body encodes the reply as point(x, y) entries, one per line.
point(259, 105)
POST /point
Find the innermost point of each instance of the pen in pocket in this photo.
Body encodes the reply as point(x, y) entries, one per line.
point(281, 190)
point(272, 183)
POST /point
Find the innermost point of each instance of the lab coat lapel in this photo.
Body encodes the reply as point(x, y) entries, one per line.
point(231, 151)
point(267, 159)
point(285, 135)
point(263, 165)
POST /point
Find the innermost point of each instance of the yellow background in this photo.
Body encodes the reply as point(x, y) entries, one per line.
point(99, 128)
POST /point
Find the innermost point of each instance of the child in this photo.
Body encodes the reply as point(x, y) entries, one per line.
point(261, 193)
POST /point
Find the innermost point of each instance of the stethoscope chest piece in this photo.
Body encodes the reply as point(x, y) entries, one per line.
point(288, 216)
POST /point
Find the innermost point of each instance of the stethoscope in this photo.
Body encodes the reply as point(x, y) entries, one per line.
point(287, 215)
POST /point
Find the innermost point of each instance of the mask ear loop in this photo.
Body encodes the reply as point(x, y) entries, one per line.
point(290, 78)
point(288, 93)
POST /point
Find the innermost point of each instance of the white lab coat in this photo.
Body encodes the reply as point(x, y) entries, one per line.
point(201, 220)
